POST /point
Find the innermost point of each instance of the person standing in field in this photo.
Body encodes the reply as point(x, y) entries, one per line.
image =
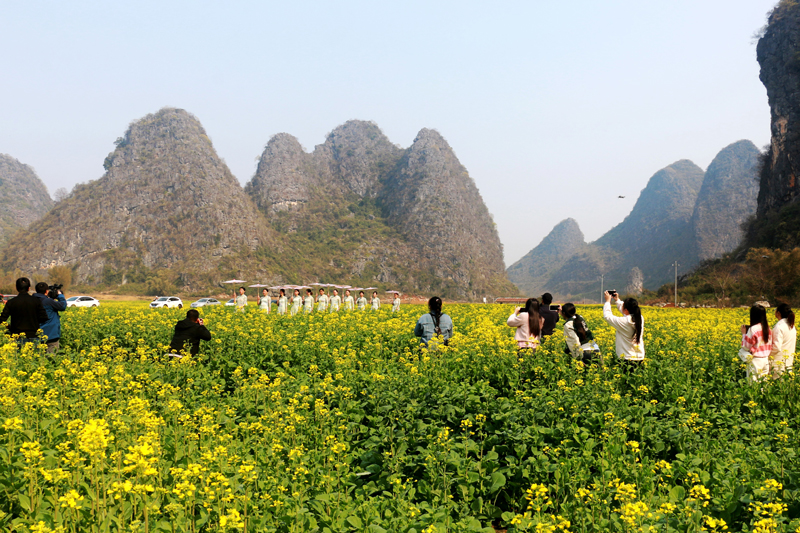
point(529, 323)
point(580, 340)
point(297, 301)
point(282, 302)
point(26, 313)
point(550, 316)
point(784, 342)
point(349, 303)
point(629, 329)
point(756, 344)
point(336, 301)
point(308, 302)
point(241, 300)
point(265, 302)
point(188, 334)
point(376, 301)
point(361, 302)
point(396, 302)
point(434, 323)
point(322, 301)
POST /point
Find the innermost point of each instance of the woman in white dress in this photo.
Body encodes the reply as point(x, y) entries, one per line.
point(308, 302)
point(282, 302)
point(336, 301)
point(297, 301)
point(349, 303)
point(376, 302)
point(361, 302)
point(322, 301)
point(265, 302)
point(396, 302)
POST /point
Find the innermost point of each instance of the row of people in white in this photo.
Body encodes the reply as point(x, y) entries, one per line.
point(324, 302)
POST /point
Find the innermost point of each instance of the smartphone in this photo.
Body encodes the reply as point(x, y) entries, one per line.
point(612, 292)
point(554, 307)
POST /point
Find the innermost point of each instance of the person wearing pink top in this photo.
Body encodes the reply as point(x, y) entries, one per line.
point(756, 344)
point(529, 324)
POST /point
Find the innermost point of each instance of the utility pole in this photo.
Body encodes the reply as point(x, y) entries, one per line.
point(602, 290)
point(676, 265)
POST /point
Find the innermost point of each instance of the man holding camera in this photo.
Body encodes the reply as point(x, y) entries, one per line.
point(53, 302)
point(551, 316)
point(25, 311)
point(188, 334)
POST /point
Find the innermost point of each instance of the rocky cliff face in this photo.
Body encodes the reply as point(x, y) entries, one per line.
point(23, 197)
point(532, 273)
point(166, 201)
point(727, 198)
point(365, 209)
point(778, 54)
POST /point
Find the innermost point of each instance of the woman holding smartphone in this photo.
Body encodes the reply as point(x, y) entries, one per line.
point(629, 327)
point(529, 324)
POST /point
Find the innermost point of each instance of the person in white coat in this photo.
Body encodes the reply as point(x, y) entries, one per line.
point(336, 301)
point(349, 302)
point(265, 302)
point(282, 302)
point(322, 301)
point(297, 301)
point(629, 328)
point(784, 342)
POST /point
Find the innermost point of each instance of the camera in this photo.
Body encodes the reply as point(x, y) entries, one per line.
point(52, 290)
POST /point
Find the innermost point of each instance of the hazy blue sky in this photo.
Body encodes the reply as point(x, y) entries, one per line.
point(555, 108)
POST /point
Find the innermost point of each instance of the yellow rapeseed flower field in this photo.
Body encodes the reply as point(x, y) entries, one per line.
point(342, 422)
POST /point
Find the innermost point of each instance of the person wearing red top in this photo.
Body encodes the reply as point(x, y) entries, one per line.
point(756, 344)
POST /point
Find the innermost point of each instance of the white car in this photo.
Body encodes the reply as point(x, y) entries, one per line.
point(202, 302)
point(230, 303)
point(82, 301)
point(166, 301)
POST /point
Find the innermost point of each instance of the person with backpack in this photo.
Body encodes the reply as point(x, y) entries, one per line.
point(434, 323)
point(529, 323)
point(580, 340)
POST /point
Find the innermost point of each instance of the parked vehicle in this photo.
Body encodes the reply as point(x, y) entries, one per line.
point(230, 303)
point(202, 302)
point(81, 301)
point(166, 301)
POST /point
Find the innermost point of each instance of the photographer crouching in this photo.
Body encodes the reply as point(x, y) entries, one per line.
point(53, 302)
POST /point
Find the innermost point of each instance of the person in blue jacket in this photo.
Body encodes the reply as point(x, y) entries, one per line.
point(434, 323)
point(51, 328)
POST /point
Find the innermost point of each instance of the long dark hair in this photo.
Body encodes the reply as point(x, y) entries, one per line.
point(787, 313)
point(532, 308)
point(632, 306)
point(282, 292)
point(568, 310)
point(435, 307)
point(758, 315)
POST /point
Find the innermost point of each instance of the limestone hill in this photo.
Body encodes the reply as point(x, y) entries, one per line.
point(23, 197)
point(166, 201)
point(683, 214)
point(360, 208)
